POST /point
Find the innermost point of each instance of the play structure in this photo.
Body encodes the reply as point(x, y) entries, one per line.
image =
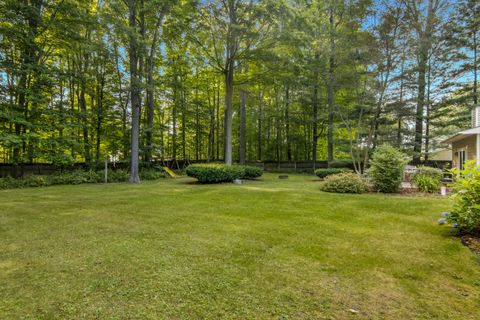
point(169, 172)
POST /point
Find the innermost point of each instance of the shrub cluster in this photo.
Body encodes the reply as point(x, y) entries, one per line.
point(386, 169)
point(75, 177)
point(252, 172)
point(216, 173)
point(346, 182)
point(466, 209)
point(325, 172)
point(427, 179)
point(341, 163)
point(150, 174)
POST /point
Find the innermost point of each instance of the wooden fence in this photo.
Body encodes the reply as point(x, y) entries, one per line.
point(279, 166)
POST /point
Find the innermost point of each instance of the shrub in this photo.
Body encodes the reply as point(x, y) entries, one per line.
point(341, 163)
point(346, 182)
point(150, 174)
point(386, 169)
point(215, 173)
point(76, 177)
point(428, 171)
point(34, 181)
point(10, 183)
point(466, 208)
point(252, 172)
point(427, 179)
point(325, 172)
point(117, 175)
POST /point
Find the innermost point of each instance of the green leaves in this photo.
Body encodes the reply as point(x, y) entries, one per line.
point(466, 208)
point(386, 169)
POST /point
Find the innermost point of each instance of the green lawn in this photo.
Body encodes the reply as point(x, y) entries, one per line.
point(277, 249)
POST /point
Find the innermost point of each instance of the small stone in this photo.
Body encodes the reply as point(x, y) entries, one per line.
point(237, 181)
point(353, 311)
point(445, 214)
point(441, 221)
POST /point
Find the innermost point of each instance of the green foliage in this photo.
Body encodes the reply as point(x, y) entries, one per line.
point(215, 173)
point(28, 181)
point(118, 175)
point(346, 182)
point(151, 174)
point(427, 179)
point(61, 159)
point(76, 177)
point(386, 169)
point(324, 172)
point(466, 208)
point(341, 163)
point(252, 172)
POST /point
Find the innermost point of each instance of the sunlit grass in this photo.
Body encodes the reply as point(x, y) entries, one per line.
point(273, 248)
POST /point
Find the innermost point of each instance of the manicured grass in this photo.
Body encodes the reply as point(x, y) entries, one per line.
point(273, 248)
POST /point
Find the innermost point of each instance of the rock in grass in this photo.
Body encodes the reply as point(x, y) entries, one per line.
point(441, 221)
point(445, 214)
point(237, 181)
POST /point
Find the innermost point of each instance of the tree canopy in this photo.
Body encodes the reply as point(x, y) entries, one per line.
point(233, 80)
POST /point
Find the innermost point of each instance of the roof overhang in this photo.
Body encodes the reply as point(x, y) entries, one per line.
point(462, 135)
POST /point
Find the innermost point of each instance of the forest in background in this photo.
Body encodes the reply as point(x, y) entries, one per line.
point(233, 80)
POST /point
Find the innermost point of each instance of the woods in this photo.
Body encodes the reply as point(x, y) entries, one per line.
point(233, 80)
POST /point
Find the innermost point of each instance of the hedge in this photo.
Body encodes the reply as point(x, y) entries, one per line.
point(216, 173)
point(325, 172)
point(346, 182)
point(76, 177)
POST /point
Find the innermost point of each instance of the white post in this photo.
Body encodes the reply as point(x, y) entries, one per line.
point(106, 171)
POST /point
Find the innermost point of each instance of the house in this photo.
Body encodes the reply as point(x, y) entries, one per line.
point(466, 144)
point(443, 155)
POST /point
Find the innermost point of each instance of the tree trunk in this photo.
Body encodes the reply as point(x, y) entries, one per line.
point(425, 43)
point(100, 93)
point(330, 97)
point(243, 119)
point(218, 122)
point(259, 130)
point(475, 69)
point(211, 132)
point(228, 112)
point(134, 95)
point(287, 123)
point(184, 123)
point(427, 118)
point(83, 111)
point(315, 111)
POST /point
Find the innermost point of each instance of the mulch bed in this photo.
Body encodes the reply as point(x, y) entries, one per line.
point(471, 242)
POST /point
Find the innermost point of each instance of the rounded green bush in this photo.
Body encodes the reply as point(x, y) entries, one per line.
point(346, 182)
point(386, 169)
point(341, 163)
point(252, 172)
point(215, 173)
point(325, 172)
